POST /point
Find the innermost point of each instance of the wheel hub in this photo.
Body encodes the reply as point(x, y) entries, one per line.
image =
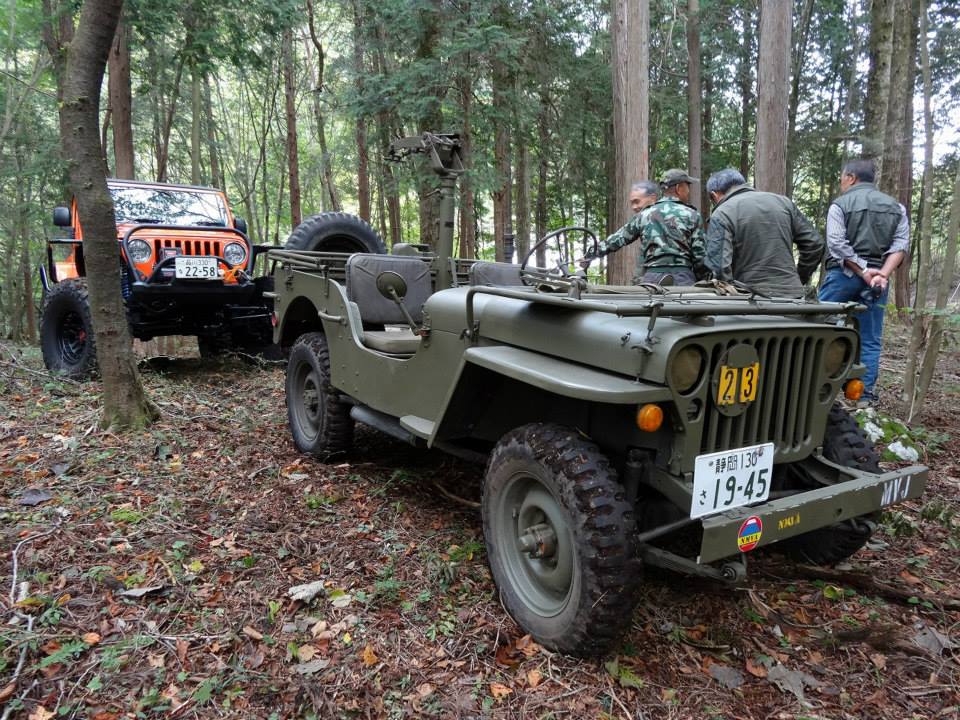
point(539, 541)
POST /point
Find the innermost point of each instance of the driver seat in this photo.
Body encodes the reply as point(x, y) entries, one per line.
point(362, 271)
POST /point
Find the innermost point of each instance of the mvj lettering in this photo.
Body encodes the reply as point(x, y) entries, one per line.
point(895, 490)
point(788, 522)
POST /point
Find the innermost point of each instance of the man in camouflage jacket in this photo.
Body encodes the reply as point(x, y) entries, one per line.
point(671, 234)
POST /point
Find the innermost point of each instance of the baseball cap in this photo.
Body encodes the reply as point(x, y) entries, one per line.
point(674, 176)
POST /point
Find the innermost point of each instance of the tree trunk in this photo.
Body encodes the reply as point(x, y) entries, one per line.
point(523, 195)
point(745, 80)
point(631, 101)
point(331, 198)
point(430, 120)
point(363, 155)
point(707, 139)
point(694, 89)
point(919, 339)
point(121, 104)
point(543, 169)
point(773, 76)
point(878, 78)
point(293, 151)
point(503, 188)
point(216, 175)
point(196, 113)
point(797, 64)
point(124, 401)
point(468, 212)
point(163, 152)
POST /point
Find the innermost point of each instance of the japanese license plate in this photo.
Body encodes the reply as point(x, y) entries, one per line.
point(738, 385)
point(729, 479)
point(196, 268)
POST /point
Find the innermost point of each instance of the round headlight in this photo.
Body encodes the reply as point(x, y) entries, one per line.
point(837, 357)
point(685, 369)
point(139, 251)
point(235, 253)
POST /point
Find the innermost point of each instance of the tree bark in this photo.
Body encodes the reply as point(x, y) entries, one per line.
point(430, 119)
point(363, 154)
point(196, 124)
point(919, 337)
point(213, 148)
point(878, 78)
point(523, 197)
point(772, 82)
point(797, 64)
point(124, 402)
point(293, 150)
point(331, 198)
point(631, 102)
point(543, 169)
point(694, 90)
point(121, 104)
point(745, 80)
point(503, 189)
point(468, 212)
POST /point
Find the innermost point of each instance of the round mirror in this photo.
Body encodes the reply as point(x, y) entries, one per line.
point(391, 285)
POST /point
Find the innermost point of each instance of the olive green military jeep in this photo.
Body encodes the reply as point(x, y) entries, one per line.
point(680, 427)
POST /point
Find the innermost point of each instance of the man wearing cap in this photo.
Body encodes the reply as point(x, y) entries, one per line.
point(671, 234)
point(751, 238)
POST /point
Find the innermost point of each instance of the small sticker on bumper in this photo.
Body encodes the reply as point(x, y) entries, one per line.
point(749, 534)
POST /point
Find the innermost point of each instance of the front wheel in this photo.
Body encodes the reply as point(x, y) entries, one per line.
point(66, 330)
point(845, 444)
point(320, 421)
point(560, 539)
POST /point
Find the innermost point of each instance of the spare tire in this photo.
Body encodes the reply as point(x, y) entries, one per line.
point(335, 232)
point(66, 330)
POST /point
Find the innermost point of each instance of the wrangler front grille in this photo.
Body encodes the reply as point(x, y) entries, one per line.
point(785, 408)
point(188, 247)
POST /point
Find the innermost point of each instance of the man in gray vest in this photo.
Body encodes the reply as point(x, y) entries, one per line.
point(868, 236)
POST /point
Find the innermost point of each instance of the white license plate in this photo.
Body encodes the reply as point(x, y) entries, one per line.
point(196, 268)
point(729, 479)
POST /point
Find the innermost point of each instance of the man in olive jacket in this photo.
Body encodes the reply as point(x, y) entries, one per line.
point(751, 237)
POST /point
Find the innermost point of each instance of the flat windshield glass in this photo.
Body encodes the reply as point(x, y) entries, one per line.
point(167, 207)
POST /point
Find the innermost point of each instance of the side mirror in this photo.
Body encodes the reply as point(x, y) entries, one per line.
point(61, 216)
point(240, 224)
point(392, 285)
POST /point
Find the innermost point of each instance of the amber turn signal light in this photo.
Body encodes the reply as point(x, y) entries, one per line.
point(649, 417)
point(853, 390)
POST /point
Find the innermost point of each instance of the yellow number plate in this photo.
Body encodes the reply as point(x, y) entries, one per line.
point(738, 384)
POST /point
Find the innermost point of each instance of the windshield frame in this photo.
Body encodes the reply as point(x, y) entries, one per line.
point(135, 204)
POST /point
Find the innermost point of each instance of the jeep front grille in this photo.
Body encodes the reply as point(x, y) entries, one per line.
point(188, 247)
point(784, 409)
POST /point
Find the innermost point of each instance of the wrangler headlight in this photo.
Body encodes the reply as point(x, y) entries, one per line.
point(685, 369)
point(837, 357)
point(139, 251)
point(235, 253)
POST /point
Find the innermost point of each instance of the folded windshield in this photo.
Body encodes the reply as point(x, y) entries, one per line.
point(167, 207)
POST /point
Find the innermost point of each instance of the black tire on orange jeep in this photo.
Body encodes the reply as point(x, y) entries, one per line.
point(335, 232)
point(66, 330)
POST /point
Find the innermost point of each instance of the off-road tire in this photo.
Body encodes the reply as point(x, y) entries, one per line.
point(335, 232)
point(553, 467)
point(319, 420)
point(66, 330)
point(845, 444)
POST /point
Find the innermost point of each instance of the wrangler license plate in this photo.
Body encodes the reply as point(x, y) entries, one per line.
point(731, 478)
point(738, 385)
point(194, 268)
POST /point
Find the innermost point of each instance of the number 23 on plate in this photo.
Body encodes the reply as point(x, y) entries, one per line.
point(738, 384)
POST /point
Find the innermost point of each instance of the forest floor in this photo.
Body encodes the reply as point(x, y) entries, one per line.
point(152, 577)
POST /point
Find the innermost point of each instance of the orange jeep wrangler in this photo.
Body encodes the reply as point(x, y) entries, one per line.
point(186, 267)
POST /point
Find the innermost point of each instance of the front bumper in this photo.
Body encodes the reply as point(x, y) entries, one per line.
point(787, 517)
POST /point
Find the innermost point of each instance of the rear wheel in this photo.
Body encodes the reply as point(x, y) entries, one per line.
point(560, 539)
point(845, 444)
point(66, 330)
point(319, 421)
point(335, 232)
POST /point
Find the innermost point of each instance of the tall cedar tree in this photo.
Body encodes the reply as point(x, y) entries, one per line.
point(772, 95)
point(125, 404)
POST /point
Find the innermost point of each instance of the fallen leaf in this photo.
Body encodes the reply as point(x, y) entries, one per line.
point(425, 690)
point(155, 660)
point(182, 647)
point(41, 713)
point(90, 638)
point(305, 653)
point(534, 677)
point(34, 496)
point(757, 669)
point(933, 641)
point(308, 668)
point(319, 627)
point(727, 676)
point(7, 692)
point(369, 657)
point(306, 592)
point(252, 633)
point(499, 691)
point(792, 681)
point(879, 661)
point(139, 592)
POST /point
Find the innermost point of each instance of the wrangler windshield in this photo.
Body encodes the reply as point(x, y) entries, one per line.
point(167, 207)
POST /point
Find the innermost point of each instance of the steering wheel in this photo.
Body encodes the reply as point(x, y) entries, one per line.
point(561, 273)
